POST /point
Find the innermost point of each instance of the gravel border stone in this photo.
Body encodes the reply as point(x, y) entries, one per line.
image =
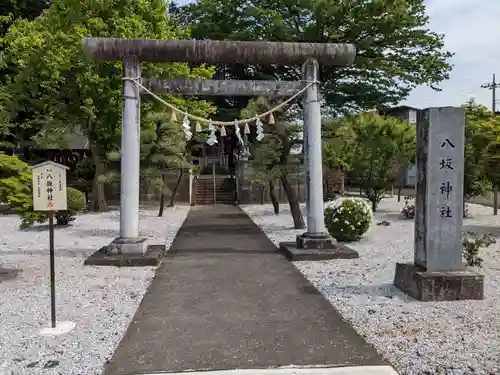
point(100, 300)
point(418, 338)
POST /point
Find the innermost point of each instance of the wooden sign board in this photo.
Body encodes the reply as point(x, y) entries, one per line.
point(49, 187)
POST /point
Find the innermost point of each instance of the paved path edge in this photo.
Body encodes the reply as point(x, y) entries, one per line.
point(291, 370)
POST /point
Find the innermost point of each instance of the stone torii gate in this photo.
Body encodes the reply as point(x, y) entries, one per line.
point(315, 242)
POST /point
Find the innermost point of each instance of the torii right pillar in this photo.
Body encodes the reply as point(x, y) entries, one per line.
point(315, 243)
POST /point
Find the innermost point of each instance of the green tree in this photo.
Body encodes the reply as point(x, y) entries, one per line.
point(396, 49)
point(374, 147)
point(266, 169)
point(406, 154)
point(55, 89)
point(480, 135)
point(336, 150)
point(274, 156)
point(491, 153)
point(164, 146)
point(9, 12)
point(166, 149)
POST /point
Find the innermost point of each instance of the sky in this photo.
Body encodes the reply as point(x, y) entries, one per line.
point(472, 32)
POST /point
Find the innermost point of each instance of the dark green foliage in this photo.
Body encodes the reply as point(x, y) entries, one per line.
point(54, 90)
point(76, 204)
point(83, 174)
point(16, 9)
point(396, 49)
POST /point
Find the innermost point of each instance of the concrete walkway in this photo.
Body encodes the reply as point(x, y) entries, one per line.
point(225, 299)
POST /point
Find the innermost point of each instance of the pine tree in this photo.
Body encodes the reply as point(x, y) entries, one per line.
point(163, 150)
point(273, 157)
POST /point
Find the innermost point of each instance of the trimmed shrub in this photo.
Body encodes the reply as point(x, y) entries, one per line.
point(348, 219)
point(14, 176)
point(76, 203)
point(16, 189)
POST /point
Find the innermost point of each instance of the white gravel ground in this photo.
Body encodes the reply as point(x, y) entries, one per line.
point(442, 338)
point(100, 300)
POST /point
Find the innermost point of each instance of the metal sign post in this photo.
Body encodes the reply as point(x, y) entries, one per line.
point(49, 195)
point(52, 271)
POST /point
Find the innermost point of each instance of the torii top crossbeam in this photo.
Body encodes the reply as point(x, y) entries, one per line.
point(219, 52)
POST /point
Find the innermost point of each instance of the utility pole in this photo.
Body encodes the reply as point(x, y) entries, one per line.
point(493, 85)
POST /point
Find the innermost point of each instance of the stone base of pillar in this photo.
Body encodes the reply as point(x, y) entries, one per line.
point(152, 257)
point(438, 286)
point(316, 246)
point(122, 245)
point(309, 241)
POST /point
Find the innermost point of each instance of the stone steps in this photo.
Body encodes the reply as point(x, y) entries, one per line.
point(224, 191)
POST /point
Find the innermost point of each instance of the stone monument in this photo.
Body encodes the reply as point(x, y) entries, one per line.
point(437, 272)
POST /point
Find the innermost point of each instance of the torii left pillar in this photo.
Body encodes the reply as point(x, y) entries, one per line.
point(129, 241)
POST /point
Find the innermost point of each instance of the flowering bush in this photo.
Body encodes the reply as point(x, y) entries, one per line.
point(348, 219)
point(408, 211)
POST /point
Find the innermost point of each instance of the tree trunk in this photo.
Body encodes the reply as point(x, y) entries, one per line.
point(293, 201)
point(176, 188)
point(495, 200)
point(162, 196)
point(372, 195)
point(274, 198)
point(401, 183)
point(97, 197)
point(162, 204)
point(262, 193)
point(342, 184)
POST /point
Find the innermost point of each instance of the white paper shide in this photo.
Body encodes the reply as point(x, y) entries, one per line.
point(49, 187)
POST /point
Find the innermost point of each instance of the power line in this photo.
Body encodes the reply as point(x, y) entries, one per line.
point(493, 85)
